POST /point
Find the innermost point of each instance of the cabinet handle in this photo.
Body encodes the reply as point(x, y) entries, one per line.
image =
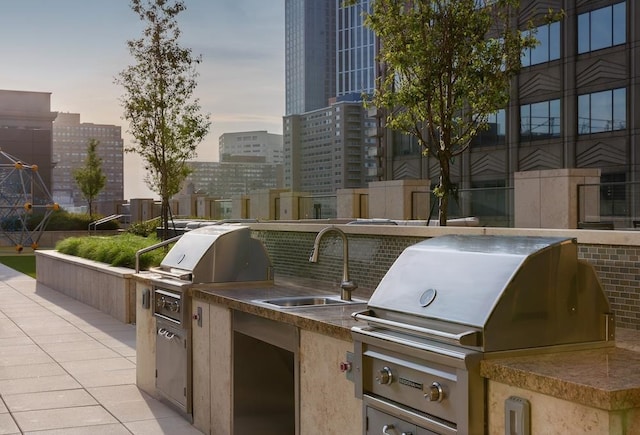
point(385, 429)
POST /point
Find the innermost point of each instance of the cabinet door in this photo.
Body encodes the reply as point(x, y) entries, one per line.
point(172, 363)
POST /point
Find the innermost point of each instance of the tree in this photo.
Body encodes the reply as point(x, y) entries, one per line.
point(90, 178)
point(447, 66)
point(164, 118)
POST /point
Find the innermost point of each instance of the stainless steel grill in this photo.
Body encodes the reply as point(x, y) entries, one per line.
point(212, 254)
point(447, 303)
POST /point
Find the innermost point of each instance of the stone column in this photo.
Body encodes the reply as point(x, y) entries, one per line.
point(352, 203)
point(549, 199)
point(399, 199)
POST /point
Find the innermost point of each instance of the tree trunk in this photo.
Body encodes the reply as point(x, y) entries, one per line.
point(445, 186)
point(164, 211)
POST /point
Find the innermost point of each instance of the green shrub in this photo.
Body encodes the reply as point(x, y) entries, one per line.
point(144, 229)
point(117, 250)
point(64, 221)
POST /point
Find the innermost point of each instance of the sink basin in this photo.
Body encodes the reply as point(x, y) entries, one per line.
point(306, 301)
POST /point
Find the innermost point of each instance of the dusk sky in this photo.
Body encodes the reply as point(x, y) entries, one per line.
point(74, 49)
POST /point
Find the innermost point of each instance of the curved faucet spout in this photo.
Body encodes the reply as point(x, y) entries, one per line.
point(347, 286)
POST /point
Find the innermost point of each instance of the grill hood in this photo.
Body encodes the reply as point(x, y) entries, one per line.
point(217, 253)
point(499, 292)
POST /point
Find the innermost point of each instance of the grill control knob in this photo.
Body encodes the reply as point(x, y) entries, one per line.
point(435, 393)
point(161, 303)
point(385, 377)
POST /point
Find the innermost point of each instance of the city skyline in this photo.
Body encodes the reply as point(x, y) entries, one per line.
point(75, 48)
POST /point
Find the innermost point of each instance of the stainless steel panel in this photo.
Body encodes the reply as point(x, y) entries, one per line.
point(173, 364)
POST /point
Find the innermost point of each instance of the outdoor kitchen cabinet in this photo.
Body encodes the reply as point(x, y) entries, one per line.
point(327, 399)
point(211, 367)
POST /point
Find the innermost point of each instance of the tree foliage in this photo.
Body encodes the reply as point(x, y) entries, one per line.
point(164, 117)
point(447, 66)
point(90, 178)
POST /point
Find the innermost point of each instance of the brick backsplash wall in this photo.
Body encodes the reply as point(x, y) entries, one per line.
point(619, 272)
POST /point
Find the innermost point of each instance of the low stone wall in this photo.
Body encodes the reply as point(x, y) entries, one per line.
point(109, 289)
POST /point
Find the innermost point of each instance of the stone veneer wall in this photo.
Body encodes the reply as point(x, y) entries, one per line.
point(370, 256)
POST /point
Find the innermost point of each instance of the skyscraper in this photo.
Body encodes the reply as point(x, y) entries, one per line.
point(330, 59)
point(310, 35)
point(355, 52)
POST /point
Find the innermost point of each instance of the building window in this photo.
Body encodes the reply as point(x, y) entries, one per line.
point(494, 134)
point(548, 48)
point(540, 120)
point(602, 111)
point(602, 28)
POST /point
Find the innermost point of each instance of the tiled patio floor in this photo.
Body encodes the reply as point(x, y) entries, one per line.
point(68, 369)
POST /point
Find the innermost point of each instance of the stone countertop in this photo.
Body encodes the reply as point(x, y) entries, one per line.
point(334, 321)
point(607, 378)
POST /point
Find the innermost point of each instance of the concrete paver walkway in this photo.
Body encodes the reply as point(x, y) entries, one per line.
point(69, 369)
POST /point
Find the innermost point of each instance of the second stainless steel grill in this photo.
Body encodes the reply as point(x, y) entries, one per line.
point(447, 303)
point(213, 254)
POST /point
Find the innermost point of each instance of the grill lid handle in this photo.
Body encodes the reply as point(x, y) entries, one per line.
point(465, 338)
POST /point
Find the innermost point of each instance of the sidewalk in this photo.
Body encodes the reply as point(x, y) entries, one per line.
point(68, 369)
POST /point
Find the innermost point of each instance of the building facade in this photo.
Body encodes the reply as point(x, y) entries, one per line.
point(26, 124)
point(232, 178)
point(70, 141)
point(324, 149)
point(355, 52)
point(310, 56)
point(574, 105)
point(326, 145)
point(251, 144)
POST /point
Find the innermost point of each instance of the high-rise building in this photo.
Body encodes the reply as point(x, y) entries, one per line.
point(573, 105)
point(26, 129)
point(70, 142)
point(324, 149)
point(232, 178)
point(251, 144)
point(310, 35)
point(325, 142)
point(355, 52)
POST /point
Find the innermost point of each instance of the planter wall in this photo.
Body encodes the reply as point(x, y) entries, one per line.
point(106, 288)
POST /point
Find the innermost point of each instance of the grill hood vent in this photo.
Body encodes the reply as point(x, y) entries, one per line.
point(515, 292)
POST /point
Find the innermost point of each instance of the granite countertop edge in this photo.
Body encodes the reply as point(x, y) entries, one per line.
point(605, 378)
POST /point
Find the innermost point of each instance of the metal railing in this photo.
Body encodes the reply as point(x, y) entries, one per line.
point(105, 220)
point(612, 204)
point(139, 252)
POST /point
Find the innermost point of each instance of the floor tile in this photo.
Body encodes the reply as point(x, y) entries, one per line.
point(48, 400)
point(31, 371)
point(171, 425)
point(83, 354)
point(32, 385)
point(104, 429)
point(119, 393)
point(8, 425)
point(63, 418)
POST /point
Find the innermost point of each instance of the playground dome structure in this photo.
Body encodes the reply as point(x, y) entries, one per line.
point(22, 194)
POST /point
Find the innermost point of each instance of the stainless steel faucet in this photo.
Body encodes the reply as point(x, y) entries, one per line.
point(346, 286)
